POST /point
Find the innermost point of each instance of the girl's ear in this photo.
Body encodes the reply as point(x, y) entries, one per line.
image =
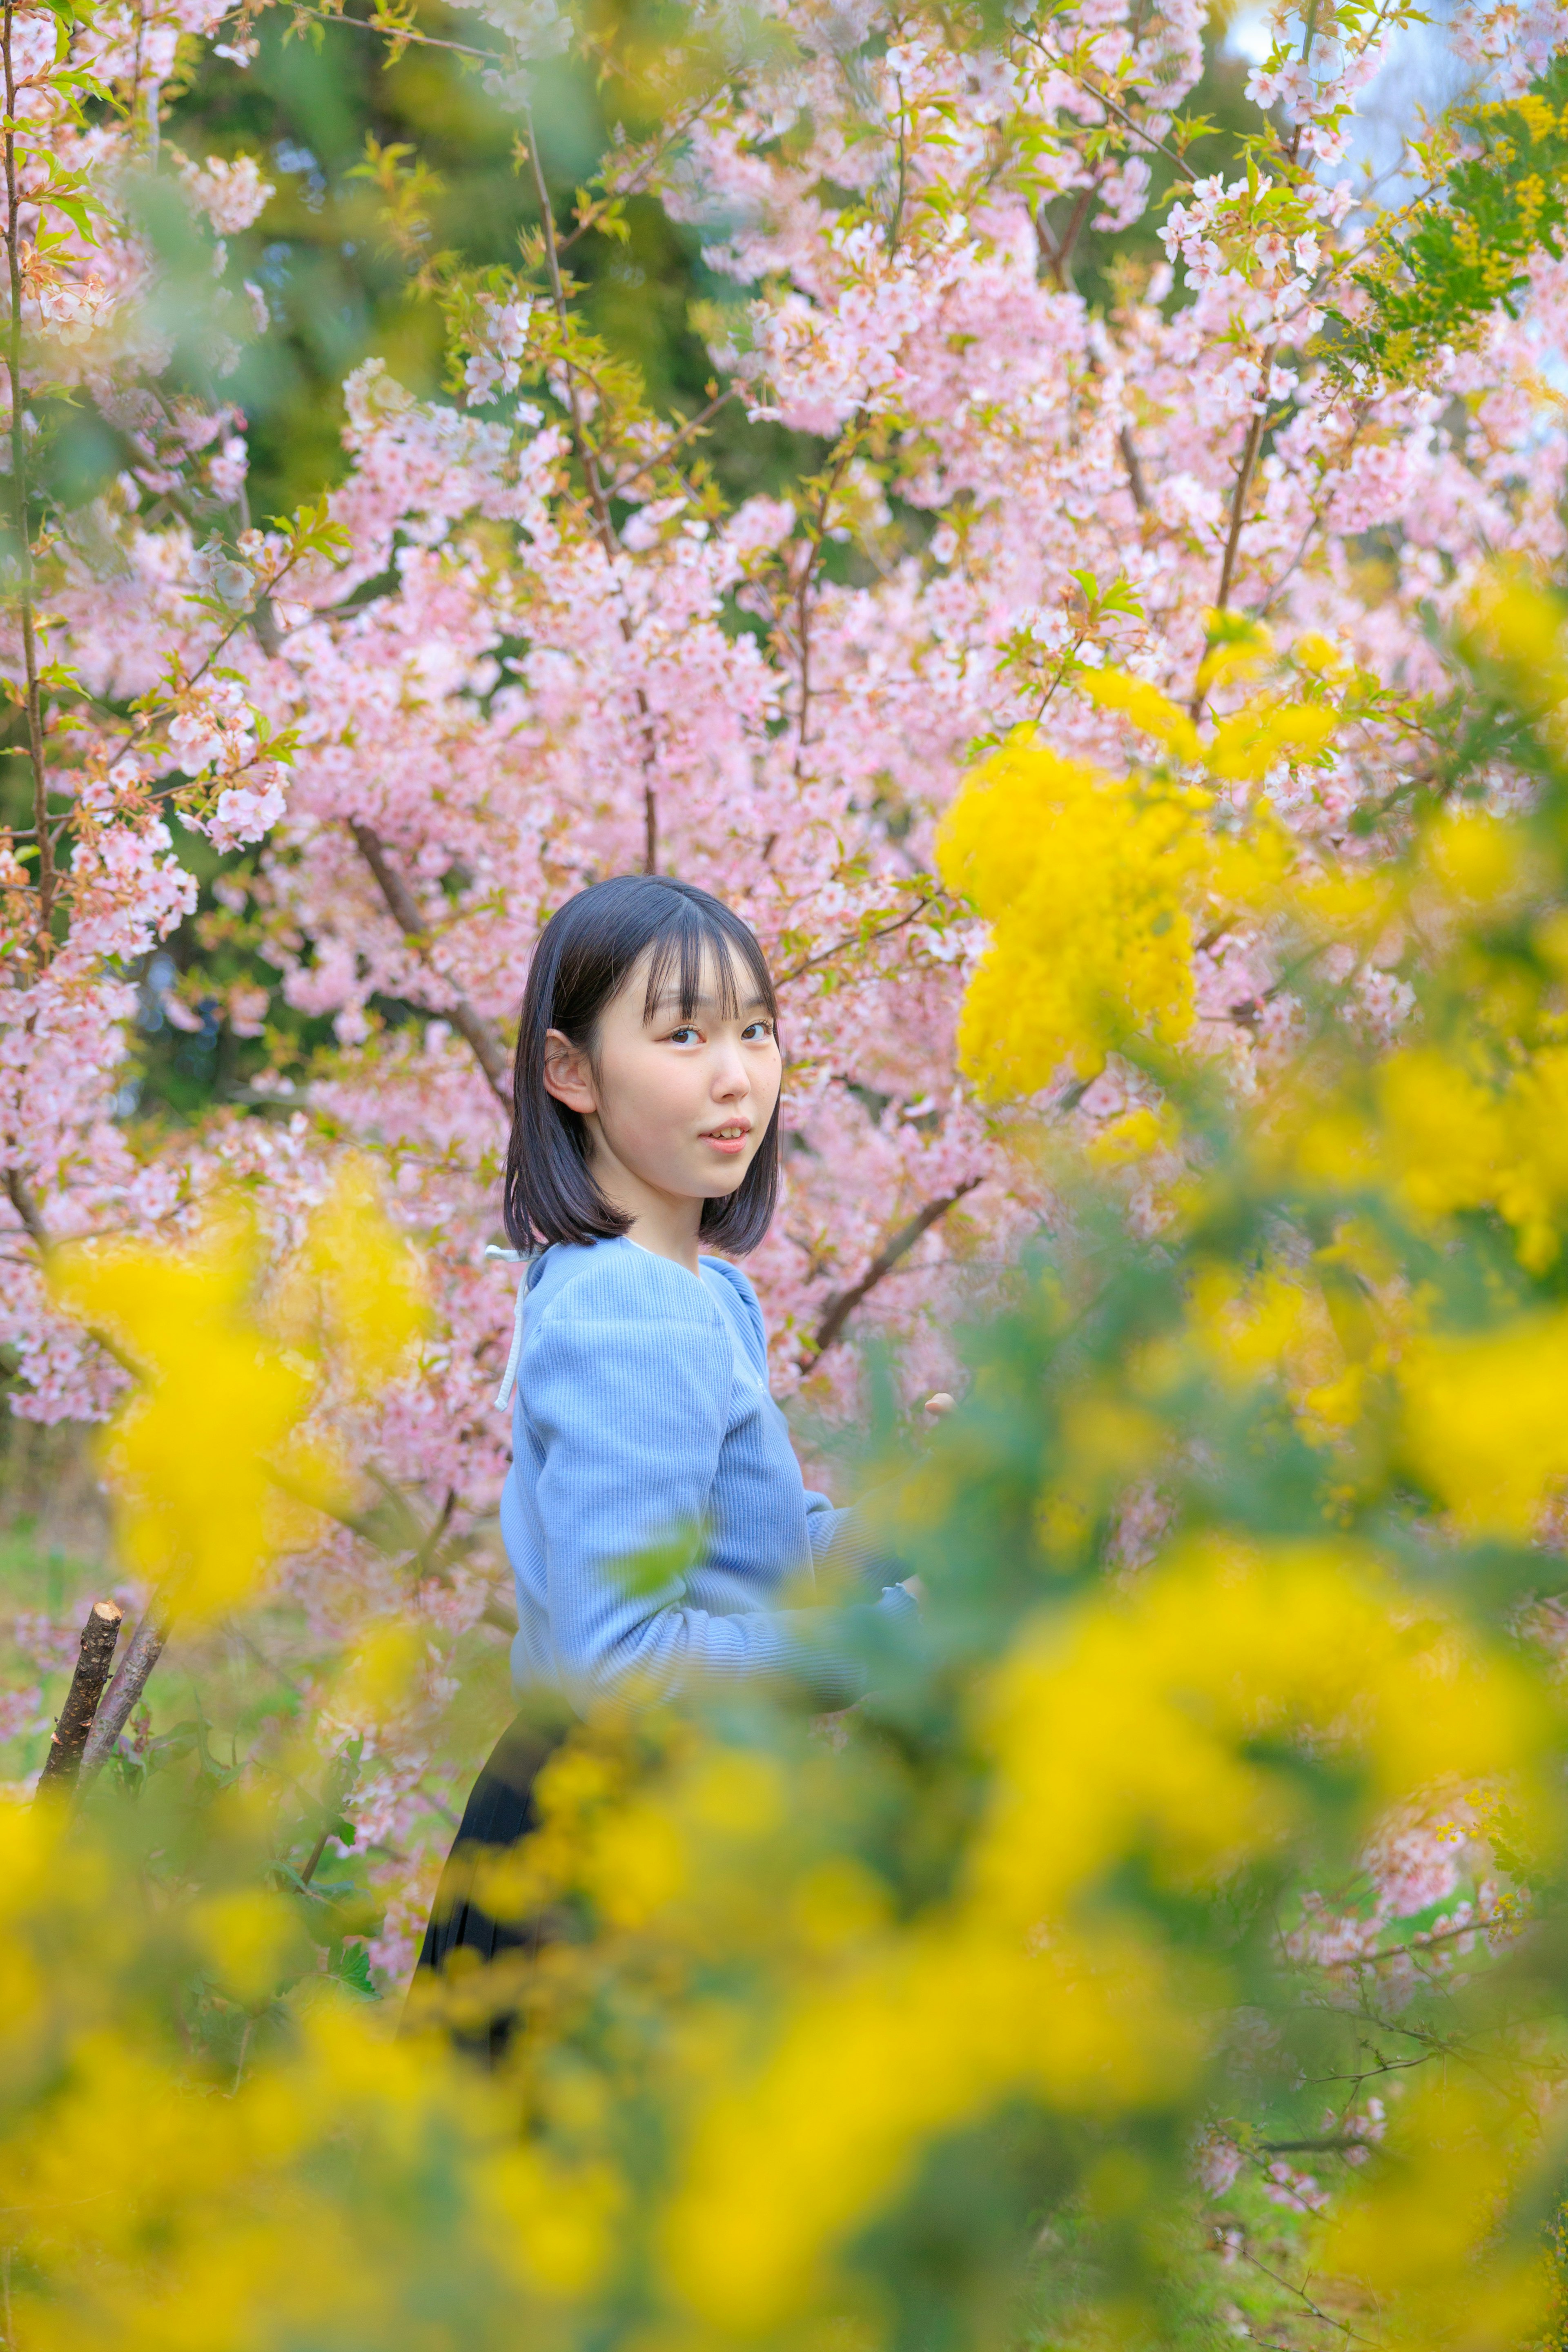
point(566, 1073)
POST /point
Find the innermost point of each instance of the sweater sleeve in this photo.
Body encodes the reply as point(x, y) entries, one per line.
point(628, 1387)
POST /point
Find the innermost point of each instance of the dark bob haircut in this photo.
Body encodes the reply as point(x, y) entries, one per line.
point(585, 953)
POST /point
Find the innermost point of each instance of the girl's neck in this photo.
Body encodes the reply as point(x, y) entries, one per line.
point(664, 1224)
point(666, 1237)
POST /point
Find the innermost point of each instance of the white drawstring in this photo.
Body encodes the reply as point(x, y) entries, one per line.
point(514, 1354)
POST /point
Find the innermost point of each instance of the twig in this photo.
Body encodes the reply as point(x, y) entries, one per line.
point(1337, 2144)
point(854, 939)
point(314, 1862)
point(1085, 81)
point(844, 1302)
point(661, 456)
point(1238, 499)
point(47, 876)
point(404, 907)
point(265, 628)
point(124, 1691)
point(650, 163)
point(404, 39)
point(1304, 2299)
point(99, 1636)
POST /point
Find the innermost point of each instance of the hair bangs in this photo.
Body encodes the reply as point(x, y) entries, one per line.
point(704, 950)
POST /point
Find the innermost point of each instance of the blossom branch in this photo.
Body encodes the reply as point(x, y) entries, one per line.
point(403, 36)
point(844, 1302)
point(404, 907)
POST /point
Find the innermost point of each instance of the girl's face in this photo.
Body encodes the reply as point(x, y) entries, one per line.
point(677, 1107)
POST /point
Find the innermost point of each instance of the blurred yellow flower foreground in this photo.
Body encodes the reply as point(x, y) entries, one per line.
point(1198, 1860)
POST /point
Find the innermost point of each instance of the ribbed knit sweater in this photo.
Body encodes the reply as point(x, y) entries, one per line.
point(655, 1512)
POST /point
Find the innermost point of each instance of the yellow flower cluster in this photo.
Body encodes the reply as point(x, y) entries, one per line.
point(211, 1473)
point(1092, 886)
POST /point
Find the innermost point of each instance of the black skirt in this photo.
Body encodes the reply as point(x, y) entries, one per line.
point(457, 1976)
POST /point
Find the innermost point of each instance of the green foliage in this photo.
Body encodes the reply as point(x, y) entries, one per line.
point(1504, 199)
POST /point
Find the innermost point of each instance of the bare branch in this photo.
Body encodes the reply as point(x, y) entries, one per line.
point(466, 1019)
point(842, 1304)
point(99, 1636)
point(124, 1691)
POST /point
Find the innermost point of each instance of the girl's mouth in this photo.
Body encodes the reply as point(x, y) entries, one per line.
point(728, 1139)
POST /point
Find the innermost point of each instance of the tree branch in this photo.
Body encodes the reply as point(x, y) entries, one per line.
point(1254, 442)
point(99, 1636)
point(48, 882)
point(843, 1303)
point(124, 1692)
point(20, 1193)
point(1135, 481)
point(1057, 251)
point(597, 497)
point(404, 908)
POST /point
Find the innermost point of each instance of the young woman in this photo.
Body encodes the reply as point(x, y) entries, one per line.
point(643, 1434)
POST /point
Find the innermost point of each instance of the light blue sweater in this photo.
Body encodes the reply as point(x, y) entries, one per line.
point(644, 1420)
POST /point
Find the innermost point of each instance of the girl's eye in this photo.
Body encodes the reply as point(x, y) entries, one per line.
point(679, 1037)
point(757, 1029)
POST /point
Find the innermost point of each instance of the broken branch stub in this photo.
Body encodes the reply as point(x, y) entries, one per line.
point(99, 1636)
